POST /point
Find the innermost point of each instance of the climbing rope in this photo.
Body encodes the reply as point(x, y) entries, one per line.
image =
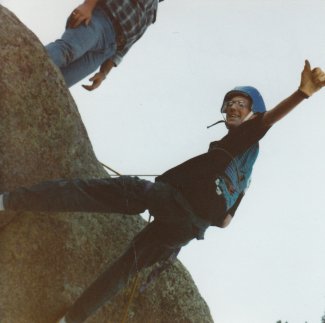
point(111, 169)
point(127, 307)
point(134, 286)
point(118, 174)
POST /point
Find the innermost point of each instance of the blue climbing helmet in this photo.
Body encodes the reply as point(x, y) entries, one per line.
point(258, 104)
point(256, 98)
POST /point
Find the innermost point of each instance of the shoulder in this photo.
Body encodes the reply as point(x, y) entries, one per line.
point(254, 126)
point(213, 145)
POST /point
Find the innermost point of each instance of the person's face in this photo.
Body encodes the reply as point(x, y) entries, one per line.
point(236, 109)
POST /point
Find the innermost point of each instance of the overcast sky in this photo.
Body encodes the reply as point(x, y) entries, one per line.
point(151, 114)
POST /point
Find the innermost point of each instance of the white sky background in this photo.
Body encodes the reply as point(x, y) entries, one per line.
point(151, 114)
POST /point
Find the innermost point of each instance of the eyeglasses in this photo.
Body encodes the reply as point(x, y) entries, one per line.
point(241, 104)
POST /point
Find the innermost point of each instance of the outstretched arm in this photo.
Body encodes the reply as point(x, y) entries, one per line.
point(311, 81)
point(81, 14)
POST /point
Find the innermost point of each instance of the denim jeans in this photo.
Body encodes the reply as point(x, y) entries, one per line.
point(174, 225)
point(80, 51)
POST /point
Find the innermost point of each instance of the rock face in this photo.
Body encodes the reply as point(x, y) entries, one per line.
point(47, 260)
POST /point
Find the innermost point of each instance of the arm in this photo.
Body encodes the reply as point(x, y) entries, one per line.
point(82, 14)
point(231, 212)
point(99, 77)
point(311, 81)
point(226, 221)
point(105, 68)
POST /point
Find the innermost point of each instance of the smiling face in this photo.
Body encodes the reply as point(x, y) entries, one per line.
point(236, 107)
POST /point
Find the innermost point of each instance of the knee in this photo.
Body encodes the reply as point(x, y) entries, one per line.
point(60, 52)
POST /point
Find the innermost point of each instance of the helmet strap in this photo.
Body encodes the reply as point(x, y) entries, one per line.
point(248, 116)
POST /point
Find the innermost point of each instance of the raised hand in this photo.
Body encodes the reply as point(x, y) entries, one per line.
point(312, 80)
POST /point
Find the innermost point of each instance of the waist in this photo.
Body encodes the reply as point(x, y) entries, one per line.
point(119, 35)
point(203, 199)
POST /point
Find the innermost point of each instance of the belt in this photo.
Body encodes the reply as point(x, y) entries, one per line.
point(119, 35)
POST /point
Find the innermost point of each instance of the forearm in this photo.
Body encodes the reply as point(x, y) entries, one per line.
point(107, 66)
point(283, 108)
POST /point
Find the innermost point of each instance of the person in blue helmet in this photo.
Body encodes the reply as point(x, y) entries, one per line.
point(184, 201)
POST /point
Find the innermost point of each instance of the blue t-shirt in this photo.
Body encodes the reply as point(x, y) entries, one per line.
point(236, 177)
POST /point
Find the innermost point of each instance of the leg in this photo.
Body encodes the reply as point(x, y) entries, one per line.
point(145, 250)
point(123, 194)
point(153, 244)
point(99, 36)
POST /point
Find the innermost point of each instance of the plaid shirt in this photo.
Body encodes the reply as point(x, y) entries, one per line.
point(133, 17)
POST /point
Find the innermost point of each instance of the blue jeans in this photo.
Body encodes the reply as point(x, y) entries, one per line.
point(80, 51)
point(174, 225)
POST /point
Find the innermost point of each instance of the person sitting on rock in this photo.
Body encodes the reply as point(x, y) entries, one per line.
point(184, 201)
point(100, 33)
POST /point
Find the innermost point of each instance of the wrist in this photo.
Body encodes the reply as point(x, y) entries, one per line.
point(102, 74)
point(303, 93)
point(90, 3)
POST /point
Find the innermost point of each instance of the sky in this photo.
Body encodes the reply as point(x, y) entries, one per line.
point(151, 114)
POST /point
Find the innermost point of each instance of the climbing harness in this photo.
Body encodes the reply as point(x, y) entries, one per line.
point(163, 264)
point(232, 158)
